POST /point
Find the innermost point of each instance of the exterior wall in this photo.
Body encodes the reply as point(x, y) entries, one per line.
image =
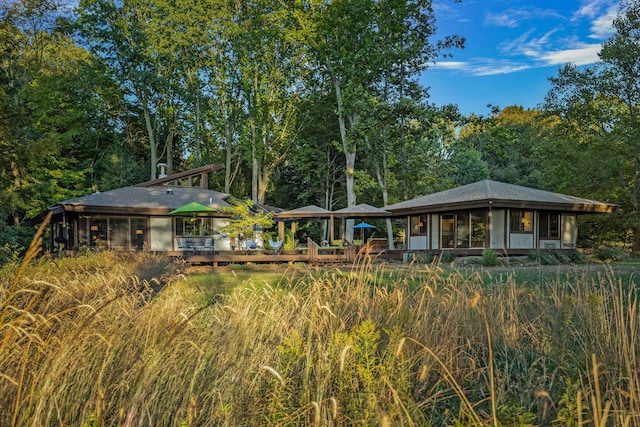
point(419, 243)
point(498, 223)
point(435, 231)
point(521, 241)
point(221, 242)
point(549, 244)
point(569, 231)
point(161, 234)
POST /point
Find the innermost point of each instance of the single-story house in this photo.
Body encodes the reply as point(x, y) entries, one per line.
point(138, 217)
point(488, 214)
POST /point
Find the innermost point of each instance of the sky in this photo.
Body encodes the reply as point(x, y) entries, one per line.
point(512, 48)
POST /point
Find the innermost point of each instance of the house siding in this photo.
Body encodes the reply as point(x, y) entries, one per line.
point(498, 223)
point(161, 233)
point(569, 230)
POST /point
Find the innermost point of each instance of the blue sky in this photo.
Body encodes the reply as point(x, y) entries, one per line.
point(512, 48)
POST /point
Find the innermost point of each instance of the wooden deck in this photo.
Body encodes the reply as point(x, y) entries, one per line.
point(312, 254)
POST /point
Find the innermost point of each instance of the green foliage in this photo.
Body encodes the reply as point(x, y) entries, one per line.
point(577, 257)
point(469, 167)
point(14, 241)
point(611, 254)
point(542, 257)
point(447, 257)
point(596, 112)
point(490, 258)
point(244, 220)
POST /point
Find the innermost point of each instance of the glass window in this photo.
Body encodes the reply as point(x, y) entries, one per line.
point(447, 231)
point(139, 233)
point(463, 231)
point(521, 221)
point(478, 229)
point(418, 225)
point(119, 234)
point(549, 225)
point(98, 232)
point(193, 226)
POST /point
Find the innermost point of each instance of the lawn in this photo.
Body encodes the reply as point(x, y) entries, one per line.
point(222, 280)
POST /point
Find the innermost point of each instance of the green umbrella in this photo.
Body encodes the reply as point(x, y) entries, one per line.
point(191, 208)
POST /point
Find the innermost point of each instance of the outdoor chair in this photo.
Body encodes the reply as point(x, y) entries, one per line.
point(276, 246)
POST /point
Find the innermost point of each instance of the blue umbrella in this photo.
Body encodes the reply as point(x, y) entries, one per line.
point(363, 226)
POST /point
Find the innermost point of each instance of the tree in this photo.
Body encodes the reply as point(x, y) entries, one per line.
point(356, 45)
point(244, 220)
point(598, 118)
point(507, 142)
point(130, 39)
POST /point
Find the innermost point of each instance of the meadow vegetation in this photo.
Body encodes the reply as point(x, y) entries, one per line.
point(103, 339)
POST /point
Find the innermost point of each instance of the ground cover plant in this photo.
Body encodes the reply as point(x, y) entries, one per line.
point(106, 340)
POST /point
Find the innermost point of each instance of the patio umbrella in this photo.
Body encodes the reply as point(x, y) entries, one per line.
point(363, 226)
point(192, 208)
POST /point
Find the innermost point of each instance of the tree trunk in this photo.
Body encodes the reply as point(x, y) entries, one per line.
point(17, 182)
point(382, 179)
point(349, 152)
point(150, 134)
point(228, 162)
point(254, 164)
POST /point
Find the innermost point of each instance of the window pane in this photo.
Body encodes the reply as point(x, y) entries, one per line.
point(119, 234)
point(462, 231)
point(447, 224)
point(549, 225)
point(418, 225)
point(478, 229)
point(554, 226)
point(193, 227)
point(521, 221)
point(98, 233)
point(139, 233)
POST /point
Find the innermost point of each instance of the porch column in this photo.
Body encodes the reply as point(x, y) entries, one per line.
point(280, 230)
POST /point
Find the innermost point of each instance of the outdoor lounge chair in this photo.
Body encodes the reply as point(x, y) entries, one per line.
point(276, 246)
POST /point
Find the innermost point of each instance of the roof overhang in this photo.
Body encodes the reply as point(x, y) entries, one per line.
point(507, 204)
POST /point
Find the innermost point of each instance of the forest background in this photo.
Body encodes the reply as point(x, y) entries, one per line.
point(304, 102)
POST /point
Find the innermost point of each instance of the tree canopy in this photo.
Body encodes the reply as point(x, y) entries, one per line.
point(304, 102)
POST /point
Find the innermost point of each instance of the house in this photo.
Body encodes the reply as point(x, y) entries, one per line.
point(489, 214)
point(138, 217)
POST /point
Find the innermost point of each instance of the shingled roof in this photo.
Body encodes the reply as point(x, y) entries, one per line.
point(311, 211)
point(144, 200)
point(483, 194)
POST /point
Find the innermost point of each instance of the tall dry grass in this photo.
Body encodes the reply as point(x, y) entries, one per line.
point(86, 342)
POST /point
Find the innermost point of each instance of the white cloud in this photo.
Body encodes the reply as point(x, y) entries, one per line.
point(514, 17)
point(482, 66)
point(590, 9)
point(601, 26)
point(583, 55)
point(450, 65)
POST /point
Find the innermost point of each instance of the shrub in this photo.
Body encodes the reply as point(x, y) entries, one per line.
point(424, 257)
point(14, 240)
point(447, 257)
point(562, 257)
point(611, 254)
point(544, 258)
point(489, 258)
point(577, 257)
